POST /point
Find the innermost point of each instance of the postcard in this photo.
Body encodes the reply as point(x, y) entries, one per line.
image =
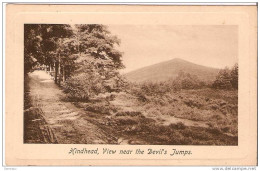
point(131, 85)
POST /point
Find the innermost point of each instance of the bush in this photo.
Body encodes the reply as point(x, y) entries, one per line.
point(126, 121)
point(234, 76)
point(187, 81)
point(83, 86)
point(156, 91)
point(89, 81)
point(129, 113)
point(178, 125)
point(101, 108)
point(227, 79)
point(192, 103)
point(215, 131)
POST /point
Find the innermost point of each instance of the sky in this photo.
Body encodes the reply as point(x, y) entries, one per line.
point(210, 45)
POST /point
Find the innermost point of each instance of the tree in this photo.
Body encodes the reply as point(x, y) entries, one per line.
point(97, 62)
point(227, 79)
point(99, 43)
point(54, 47)
point(32, 48)
point(41, 41)
point(74, 51)
point(187, 81)
point(234, 76)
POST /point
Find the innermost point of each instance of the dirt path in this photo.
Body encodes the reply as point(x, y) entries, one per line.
point(51, 119)
point(65, 120)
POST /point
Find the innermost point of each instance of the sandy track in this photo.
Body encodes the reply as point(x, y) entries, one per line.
point(66, 121)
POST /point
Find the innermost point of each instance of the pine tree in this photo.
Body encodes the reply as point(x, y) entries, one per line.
point(227, 79)
point(234, 76)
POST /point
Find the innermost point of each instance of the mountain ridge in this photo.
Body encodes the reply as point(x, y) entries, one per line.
point(169, 70)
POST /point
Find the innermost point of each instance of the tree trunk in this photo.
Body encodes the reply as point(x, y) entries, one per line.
point(56, 72)
point(68, 72)
point(59, 71)
point(63, 74)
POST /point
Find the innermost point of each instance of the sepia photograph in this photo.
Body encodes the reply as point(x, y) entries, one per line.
point(131, 84)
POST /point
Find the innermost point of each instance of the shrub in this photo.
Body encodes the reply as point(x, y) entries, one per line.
point(192, 103)
point(234, 76)
point(100, 108)
point(129, 113)
point(225, 129)
point(126, 121)
point(83, 86)
point(88, 81)
point(214, 130)
point(178, 125)
point(227, 79)
point(187, 81)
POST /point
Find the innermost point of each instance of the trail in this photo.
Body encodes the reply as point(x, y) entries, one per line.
point(66, 121)
point(51, 119)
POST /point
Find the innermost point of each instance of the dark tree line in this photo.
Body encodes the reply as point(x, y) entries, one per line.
point(76, 55)
point(227, 78)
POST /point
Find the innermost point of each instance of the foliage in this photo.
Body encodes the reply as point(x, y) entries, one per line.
point(145, 91)
point(31, 46)
point(96, 64)
point(89, 80)
point(42, 43)
point(84, 54)
point(234, 76)
point(187, 81)
point(97, 41)
point(227, 78)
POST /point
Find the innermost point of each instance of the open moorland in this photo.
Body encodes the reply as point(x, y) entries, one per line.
point(75, 94)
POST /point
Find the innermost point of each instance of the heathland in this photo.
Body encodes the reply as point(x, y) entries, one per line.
point(74, 93)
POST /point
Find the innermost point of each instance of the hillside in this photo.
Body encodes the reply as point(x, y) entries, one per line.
point(170, 69)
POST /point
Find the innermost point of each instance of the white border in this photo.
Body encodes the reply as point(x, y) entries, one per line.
point(132, 2)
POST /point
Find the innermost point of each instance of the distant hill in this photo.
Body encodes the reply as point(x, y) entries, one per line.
point(170, 69)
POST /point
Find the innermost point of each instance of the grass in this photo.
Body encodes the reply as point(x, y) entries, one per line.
point(140, 129)
point(178, 134)
point(139, 116)
point(217, 108)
